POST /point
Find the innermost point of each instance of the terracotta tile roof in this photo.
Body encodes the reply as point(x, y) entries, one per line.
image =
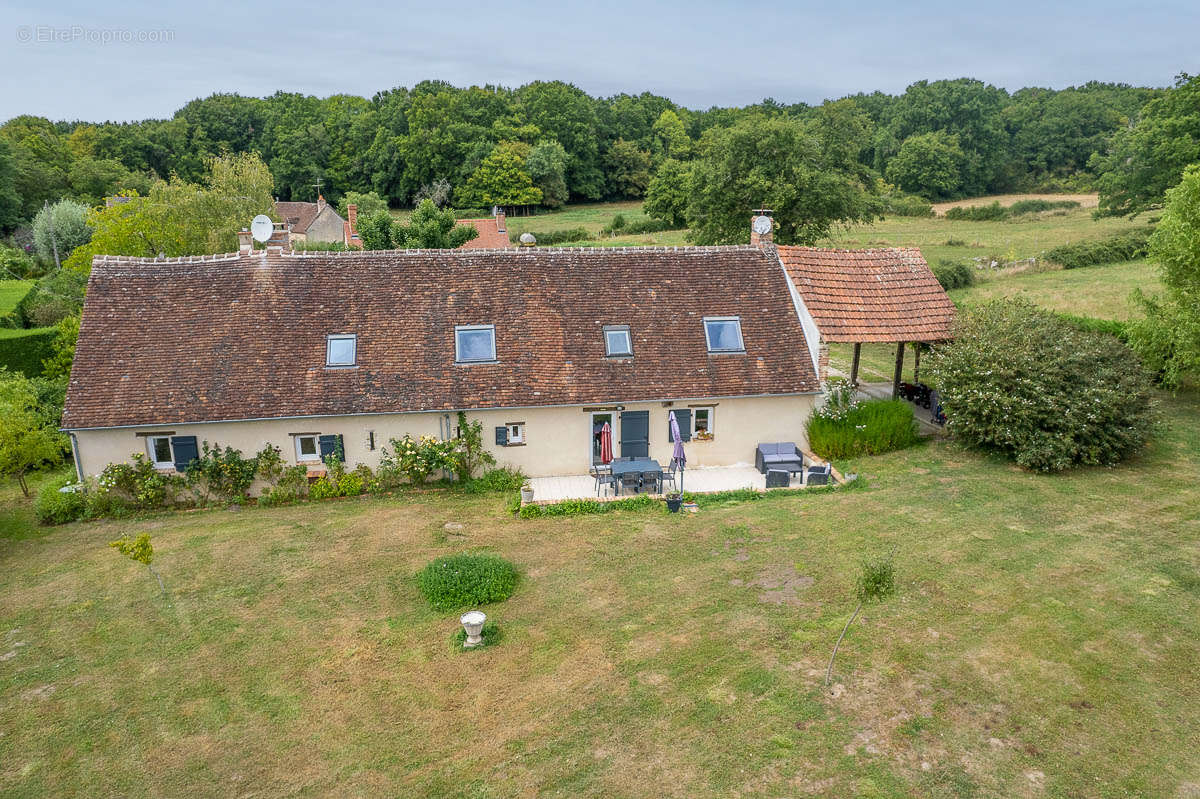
point(870, 295)
point(298, 215)
point(243, 336)
point(490, 236)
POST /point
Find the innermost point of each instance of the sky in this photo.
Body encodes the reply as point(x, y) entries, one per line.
point(133, 59)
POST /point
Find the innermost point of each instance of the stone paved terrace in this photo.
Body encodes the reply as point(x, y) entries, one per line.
point(703, 480)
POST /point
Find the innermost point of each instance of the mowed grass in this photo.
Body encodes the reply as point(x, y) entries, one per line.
point(1100, 291)
point(1042, 643)
point(12, 292)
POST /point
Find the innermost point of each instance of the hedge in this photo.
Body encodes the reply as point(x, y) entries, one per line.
point(954, 274)
point(1113, 249)
point(550, 238)
point(24, 350)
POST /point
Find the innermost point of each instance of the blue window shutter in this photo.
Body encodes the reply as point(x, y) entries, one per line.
point(502, 436)
point(185, 450)
point(684, 417)
point(635, 434)
point(332, 445)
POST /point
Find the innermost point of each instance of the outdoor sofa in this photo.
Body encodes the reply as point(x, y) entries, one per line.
point(782, 455)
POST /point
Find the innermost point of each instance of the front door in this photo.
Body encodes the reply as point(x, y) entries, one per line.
point(635, 434)
point(598, 420)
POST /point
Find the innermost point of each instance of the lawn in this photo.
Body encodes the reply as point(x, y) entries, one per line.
point(1042, 643)
point(12, 292)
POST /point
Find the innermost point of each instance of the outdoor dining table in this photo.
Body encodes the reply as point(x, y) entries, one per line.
point(642, 466)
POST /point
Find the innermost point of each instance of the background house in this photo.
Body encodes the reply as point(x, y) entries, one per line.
point(318, 222)
point(493, 233)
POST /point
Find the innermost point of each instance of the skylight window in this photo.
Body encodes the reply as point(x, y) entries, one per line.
point(724, 333)
point(617, 341)
point(475, 343)
point(341, 350)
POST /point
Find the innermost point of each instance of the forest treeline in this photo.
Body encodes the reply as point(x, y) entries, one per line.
point(547, 143)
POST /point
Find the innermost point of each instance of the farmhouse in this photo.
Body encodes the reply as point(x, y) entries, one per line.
point(318, 222)
point(493, 232)
point(323, 352)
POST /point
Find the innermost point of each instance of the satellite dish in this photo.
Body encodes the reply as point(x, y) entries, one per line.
point(762, 225)
point(262, 228)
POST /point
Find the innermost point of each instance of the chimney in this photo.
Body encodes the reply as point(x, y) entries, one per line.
point(500, 221)
point(245, 241)
point(320, 202)
point(352, 217)
point(762, 228)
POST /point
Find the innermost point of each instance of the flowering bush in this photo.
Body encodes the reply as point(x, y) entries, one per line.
point(138, 485)
point(416, 459)
point(223, 473)
point(1022, 382)
point(290, 486)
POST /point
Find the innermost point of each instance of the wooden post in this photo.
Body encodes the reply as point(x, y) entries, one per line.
point(899, 369)
point(916, 362)
point(854, 365)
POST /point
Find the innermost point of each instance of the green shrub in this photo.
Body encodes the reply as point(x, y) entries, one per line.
point(25, 350)
point(350, 485)
point(978, 213)
point(550, 238)
point(865, 428)
point(467, 580)
point(417, 458)
point(57, 295)
point(907, 205)
point(1024, 383)
point(954, 274)
point(472, 456)
point(58, 507)
point(1037, 206)
point(500, 480)
point(955, 243)
point(636, 226)
point(1111, 327)
point(618, 222)
point(138, 486)
point(291, 485)
point(221, 473)
point(324, 488)
point(582, 507)
point(1113, 249)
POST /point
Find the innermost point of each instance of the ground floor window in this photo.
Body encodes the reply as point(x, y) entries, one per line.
point(307, 448)
point(160, 451)
point(702, 423)
point(516, 433)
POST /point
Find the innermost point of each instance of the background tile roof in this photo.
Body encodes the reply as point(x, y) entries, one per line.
point(298, 215)
point(490, 237)
point(870, 295)
point(243, 336)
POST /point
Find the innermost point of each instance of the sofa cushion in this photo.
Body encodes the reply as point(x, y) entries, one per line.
point(780, 459)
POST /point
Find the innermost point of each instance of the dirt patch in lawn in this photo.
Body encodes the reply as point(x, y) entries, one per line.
point(781, 585)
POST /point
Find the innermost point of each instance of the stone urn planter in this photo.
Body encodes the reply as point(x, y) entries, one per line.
point(472, 622)
point(527, 493)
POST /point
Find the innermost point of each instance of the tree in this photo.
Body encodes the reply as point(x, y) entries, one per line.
point(670, 139)
point(366, 203)
point(547, 167)
point(10, 199)
point(438, 192)
point(28, 440)
point(62, 349)
point(501, 179)
point(179, 218)
point(928, 164)
point(628, 169)
point(773, 162)
point(1168, 337)
point(429, 228)
point(876, 582)
point(1024, 383)
point(59, 228)
point(1143, 161)
point(139, 550)
point(668, 193)
point(566, 114)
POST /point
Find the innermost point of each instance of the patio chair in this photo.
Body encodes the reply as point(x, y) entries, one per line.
point(604, 478)
point(778, 478)
point(668, 475)
point(630, 483)
point(819, 475)
point(652, 482)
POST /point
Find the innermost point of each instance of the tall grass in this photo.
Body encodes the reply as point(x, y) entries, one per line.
point(867, 428)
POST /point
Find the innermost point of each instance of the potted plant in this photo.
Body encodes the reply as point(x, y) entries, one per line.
point(527, 493)
point(674, 502)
